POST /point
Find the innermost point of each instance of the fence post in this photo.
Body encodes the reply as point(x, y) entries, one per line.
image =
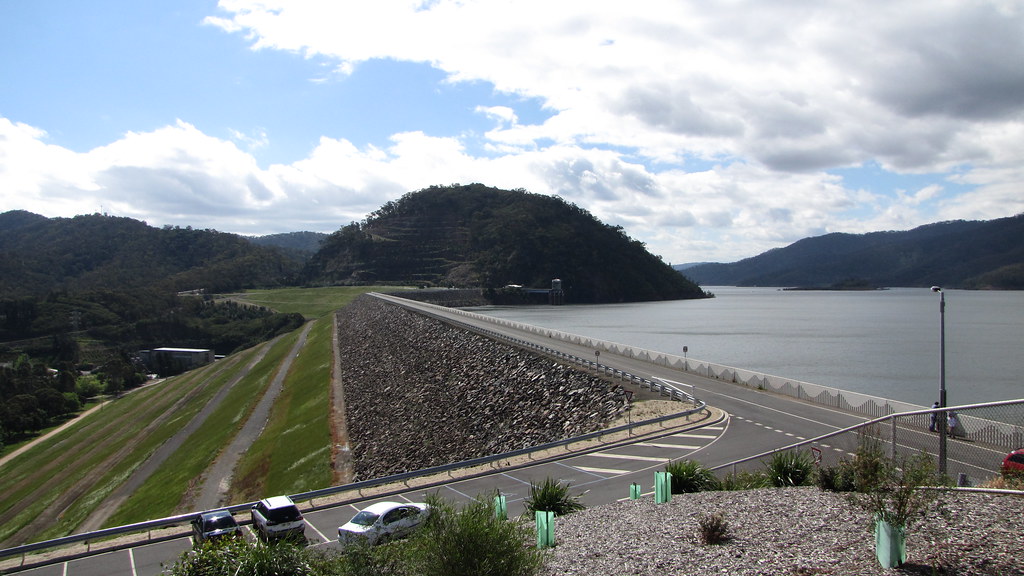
point(892, 438)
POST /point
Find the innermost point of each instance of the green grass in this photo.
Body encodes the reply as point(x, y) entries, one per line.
point(48, 470)
point(310, 302)
point(162, 493)
point(293, 454)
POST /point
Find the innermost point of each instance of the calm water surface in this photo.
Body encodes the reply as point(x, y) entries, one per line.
point(884, 343)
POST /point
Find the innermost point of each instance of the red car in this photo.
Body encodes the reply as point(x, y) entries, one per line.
point(1014, 461)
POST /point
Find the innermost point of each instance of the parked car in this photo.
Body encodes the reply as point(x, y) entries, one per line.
point(216, 525)
point(382, 522)
point(1014, 462)
point(278, 517)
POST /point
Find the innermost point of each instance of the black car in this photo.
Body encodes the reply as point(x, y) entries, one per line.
point(214, 526)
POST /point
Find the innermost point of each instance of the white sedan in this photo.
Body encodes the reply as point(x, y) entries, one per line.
point(383, 521)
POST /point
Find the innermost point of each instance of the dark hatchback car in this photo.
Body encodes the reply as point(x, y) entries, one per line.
point(216, 525)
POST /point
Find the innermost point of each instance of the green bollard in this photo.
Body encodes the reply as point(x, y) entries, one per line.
point(545, 528)
point(634, 491)
point(662, 487)
point(500, 507)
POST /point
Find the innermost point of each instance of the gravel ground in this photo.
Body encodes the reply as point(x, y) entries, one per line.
point(793, 531)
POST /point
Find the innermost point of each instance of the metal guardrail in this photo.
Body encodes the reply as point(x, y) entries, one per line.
point(995, 427)
point(666, 389)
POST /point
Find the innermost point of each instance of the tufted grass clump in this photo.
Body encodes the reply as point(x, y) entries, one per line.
point(712, 529)
point(552, 496)
point(690, 476)
point(790, 468)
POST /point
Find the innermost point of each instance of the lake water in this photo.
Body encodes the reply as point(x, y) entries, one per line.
point(884, 343)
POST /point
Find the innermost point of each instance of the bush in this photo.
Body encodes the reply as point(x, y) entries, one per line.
point(236, 557)
point(690, 476)
point(552, 496)
point(712, 529)
point(839, 478)
point(472, 541)
point(790, 468)
point(744, 481)
point(891, 489)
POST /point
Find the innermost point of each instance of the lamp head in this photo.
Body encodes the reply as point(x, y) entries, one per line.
point(936, 289)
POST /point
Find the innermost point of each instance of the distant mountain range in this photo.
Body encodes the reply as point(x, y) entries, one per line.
point(957, 254)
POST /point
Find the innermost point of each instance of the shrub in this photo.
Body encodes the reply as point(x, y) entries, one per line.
point(712, 529)
point(870, 465)
point(472, 541)
point(839, 478)
point(744, 481)
point(690, 476)
point(236, 557)
point(790, 468)
point(893, 490)
point(552, 496)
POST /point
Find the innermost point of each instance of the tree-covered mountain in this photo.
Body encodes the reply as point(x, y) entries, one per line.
point(38, 255)
point(475, 235)
point(957, 254)
point(298, 245)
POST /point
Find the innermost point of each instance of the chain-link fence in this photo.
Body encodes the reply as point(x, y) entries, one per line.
point(978, 438)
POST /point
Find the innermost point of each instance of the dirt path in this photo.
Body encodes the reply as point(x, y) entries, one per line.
point(214, 486)
point(113, 501)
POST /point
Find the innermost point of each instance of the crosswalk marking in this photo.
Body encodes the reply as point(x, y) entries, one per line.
point(670, 446)
point(601, 470)
point(627, 457)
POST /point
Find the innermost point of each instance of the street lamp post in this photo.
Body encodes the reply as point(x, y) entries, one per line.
point(943, 426)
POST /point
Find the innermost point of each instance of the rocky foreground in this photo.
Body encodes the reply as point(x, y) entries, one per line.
point(420, 393)
point(785, 532)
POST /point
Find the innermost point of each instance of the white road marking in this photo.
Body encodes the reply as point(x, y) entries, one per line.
point(602, 470)
point(661, 445)
point(131, 561)
point(627, 457)
point(697, 436)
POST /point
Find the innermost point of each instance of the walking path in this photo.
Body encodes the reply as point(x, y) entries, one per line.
point(215, 483)
point(120, 494)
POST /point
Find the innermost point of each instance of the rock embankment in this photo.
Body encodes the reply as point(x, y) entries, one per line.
point(421, 393)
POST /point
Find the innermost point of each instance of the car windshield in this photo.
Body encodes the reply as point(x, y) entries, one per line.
point(220, 522)
point(365, 518)
point(284, 514)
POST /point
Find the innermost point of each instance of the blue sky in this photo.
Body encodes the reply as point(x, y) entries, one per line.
point(710, 132)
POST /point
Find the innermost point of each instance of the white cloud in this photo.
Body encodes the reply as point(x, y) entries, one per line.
point(707, 130)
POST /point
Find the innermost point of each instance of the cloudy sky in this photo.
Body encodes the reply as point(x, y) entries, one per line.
point(712, 131)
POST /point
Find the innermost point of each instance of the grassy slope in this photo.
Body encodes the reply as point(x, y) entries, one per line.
point(296, 450)
point(44, 473)
point(293, 454)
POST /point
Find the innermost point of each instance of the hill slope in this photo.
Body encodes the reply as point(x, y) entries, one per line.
point(38, 255)
point(479, 236)
point(957, 254)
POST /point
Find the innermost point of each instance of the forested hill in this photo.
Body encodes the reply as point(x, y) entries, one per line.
point(39, 255)
point(479, 236)
point(957, 254)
